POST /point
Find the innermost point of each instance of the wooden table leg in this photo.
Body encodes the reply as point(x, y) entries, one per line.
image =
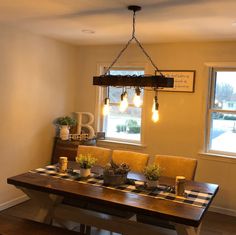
point(187, 230)
point(44, 204)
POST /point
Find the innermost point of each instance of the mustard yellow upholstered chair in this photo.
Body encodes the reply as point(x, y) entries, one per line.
point(103, 155)
point(176, 165)
point(171, 167)
point(136, 161)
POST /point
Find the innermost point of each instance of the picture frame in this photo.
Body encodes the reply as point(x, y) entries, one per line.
point(184, 80)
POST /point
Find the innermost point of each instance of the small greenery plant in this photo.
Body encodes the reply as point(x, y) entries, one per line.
point(66, 120)
point(152, 172)
point(85, 161)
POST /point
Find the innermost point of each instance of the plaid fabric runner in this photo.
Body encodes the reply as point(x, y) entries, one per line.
point(193, 197)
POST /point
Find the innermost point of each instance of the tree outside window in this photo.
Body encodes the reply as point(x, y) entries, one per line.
point(222, 112)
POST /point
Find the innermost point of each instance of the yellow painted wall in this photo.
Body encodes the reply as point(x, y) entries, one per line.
point(180, 130)
point(37, 84)
point(41, 79)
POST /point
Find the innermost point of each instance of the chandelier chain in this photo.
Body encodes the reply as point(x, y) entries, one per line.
point(148, 56)
point(126, 46)
point(117, 58)
point(133, 33)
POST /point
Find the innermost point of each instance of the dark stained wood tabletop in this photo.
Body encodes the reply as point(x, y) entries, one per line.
point(165, 209)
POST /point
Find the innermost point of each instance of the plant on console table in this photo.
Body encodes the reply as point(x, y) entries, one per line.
point(65, 123)
point(115, 174)
point(152, 173)
point(86, 162)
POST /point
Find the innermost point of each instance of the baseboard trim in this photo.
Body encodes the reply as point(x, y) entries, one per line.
point(13, 202)
point(223, 210)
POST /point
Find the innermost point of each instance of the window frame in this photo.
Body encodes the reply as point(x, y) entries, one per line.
point(210, 109)
point(102, 95)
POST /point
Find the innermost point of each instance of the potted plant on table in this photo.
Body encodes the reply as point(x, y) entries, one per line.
point(152, 173)
point(65, 123)
point(86, 162)
point(115, 174)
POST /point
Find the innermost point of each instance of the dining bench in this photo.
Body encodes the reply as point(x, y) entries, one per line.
point(11, 225)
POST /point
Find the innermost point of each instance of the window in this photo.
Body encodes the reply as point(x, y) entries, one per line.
point(222, 112)
point(123, 126)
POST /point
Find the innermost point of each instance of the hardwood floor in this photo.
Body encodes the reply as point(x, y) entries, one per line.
point(218, 224)
point(213, 223)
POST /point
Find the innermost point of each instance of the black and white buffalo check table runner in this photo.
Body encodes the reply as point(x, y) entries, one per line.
point(193, 197)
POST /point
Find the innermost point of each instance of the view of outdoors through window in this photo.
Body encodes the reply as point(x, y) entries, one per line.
point(223, 113)
point(126, 125)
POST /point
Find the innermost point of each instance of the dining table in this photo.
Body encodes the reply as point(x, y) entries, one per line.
point(49, 188)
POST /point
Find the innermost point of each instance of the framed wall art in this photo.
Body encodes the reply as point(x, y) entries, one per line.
point(183, 80)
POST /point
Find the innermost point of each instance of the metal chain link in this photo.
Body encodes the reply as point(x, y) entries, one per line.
point(126, 46)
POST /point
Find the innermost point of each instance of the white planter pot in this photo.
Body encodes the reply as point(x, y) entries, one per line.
point(152, 183)
point(85, 172)
point(64, 132)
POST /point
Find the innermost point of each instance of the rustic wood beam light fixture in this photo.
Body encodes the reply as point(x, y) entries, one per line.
point(155, 81)
point(133, 81)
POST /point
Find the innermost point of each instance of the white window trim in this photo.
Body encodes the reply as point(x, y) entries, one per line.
point(214, 66)
point(120, 144)
point(98, 109)
point(217, 157)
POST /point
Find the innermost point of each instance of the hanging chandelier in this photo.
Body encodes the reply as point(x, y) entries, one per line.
point(138, 82)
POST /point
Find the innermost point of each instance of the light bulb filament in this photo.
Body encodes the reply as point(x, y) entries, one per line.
point(106, 107)
point(124, 102)
point(137, 98)
point(155, 112)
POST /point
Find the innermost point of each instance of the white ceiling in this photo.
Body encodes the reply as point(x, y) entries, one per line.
point(109, 21)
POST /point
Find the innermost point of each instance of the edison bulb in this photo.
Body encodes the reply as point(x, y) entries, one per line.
point(155, 116)
point(124, 104)
point(106, 107)
point(137, 100)
point(153, 106)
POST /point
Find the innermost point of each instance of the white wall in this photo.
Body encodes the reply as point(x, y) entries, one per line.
point(180, 130)
point(37, 84)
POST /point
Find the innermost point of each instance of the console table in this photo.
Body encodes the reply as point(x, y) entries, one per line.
point(67, 148)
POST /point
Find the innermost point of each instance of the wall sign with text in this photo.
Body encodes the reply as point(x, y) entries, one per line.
point(183, 80)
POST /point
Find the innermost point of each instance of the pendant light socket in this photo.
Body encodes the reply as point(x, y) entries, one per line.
point(134, 8)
